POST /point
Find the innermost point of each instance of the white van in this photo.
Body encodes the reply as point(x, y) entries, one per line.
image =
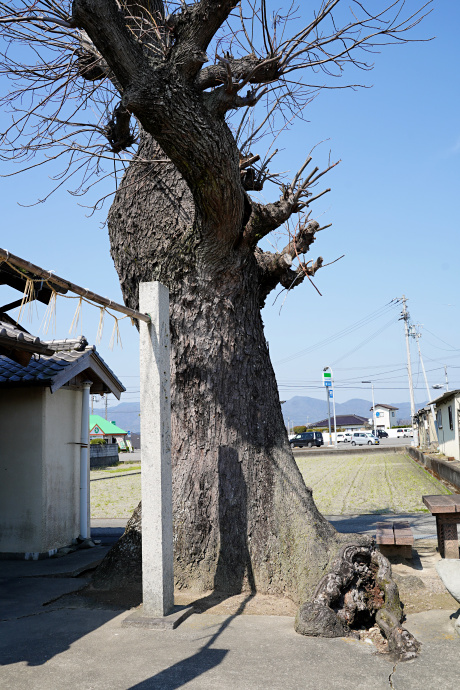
point(364, 438)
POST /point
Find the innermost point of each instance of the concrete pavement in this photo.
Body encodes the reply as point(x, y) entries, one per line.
point(50, 639)
point(68, 648)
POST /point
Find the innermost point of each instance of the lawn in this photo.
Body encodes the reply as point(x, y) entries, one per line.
point(367, 483)
point(115, 491)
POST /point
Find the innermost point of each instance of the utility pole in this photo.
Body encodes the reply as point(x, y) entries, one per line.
point(417, 335)
point(373, 404)
point(105, 402)
point(447, 382)
point(405, 317)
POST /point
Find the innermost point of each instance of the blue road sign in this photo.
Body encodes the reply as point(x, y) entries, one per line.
point(331, 393)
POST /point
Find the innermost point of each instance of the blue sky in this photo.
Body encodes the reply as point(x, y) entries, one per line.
point(395, 214)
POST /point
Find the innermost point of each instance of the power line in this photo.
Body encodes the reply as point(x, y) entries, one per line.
point(341, 334)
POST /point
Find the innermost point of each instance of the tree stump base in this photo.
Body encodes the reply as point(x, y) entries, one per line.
point(357, 593)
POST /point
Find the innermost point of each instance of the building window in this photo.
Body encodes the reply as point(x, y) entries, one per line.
point(439, 419)
point(451, 419)
point(392, 414)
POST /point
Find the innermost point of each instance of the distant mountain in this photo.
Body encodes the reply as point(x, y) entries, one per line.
point(301, 410)
point(298, 410)
point(125, 415)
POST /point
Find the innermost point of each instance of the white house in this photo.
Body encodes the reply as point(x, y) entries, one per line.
point(447, 409)
point(42, 410)
point(385, 416)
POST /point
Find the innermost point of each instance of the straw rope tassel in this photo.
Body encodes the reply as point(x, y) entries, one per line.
point(115, 334)
point(77, 317)
point(50, 313)
point(100, 328)
point(27, 298)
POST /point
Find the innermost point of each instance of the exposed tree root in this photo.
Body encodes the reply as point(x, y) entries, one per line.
point(358, 592)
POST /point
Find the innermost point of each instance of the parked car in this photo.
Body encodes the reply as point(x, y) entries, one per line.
point(403, 433)
point(381, 433)
point(364, 438)
point(308, 439)
point(343, 437)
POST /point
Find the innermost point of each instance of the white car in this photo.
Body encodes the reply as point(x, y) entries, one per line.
point(364, 438)
point(404, 433)
point(343, 437)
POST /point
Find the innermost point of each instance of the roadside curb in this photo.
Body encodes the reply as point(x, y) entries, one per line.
point(446, 470)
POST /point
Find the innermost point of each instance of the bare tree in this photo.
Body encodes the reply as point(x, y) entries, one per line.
point(175, 96)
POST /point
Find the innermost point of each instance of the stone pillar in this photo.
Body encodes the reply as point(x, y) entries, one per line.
point(157, 525)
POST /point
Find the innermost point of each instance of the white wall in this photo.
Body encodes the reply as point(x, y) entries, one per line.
point(386, 418)
point(61, 463)
point(449, 438)
point(39, 468)
point(21, 521)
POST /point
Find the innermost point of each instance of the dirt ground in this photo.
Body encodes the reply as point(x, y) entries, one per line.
point(420, 588)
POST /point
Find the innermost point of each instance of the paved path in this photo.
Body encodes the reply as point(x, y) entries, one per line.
point(66, 647)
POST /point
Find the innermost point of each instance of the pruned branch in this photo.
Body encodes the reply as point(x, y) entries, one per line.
point(247, 68)
point(118, 130)
point(295, 198)
point(277, 268)
point(194, 28)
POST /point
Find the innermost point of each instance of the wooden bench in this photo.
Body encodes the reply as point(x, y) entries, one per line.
point(395, 538)
point(447, 512)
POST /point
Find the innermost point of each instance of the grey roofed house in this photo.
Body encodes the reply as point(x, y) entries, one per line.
point(348, 420)
point(43, 422)
point(387, 407)
point(45, 389)
point(61, 369)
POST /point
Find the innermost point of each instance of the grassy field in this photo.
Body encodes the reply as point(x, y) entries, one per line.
point(115, 492)
point(371, 483)
point(342, 485)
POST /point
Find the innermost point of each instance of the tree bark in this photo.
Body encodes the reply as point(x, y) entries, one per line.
point(243, 517)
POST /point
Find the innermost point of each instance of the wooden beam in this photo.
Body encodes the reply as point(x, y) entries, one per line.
point(72, 287)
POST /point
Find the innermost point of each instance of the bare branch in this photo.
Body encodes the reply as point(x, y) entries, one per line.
point(295, 198)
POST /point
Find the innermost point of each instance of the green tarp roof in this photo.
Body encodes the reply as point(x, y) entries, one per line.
point(104, 425)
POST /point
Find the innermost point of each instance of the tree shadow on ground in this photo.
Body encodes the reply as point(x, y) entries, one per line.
point(233, 574)
point(192, 667)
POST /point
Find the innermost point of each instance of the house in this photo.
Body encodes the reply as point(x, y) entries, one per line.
point(385, 416)
point(109, 431)
point(348, 422)
point(426, 424)
point(44, 421)
point(447, 410)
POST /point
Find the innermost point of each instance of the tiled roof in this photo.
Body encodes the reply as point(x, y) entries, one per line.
point(343, 420)
point(58, 369)
point(15, 340)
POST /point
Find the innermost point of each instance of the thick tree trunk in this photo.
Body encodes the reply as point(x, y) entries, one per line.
point(243, 517)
